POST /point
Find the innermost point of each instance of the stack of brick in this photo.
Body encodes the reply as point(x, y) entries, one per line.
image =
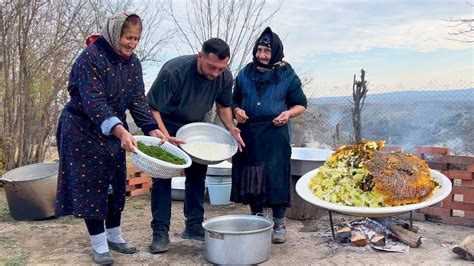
point(458, 207)
point(138, 182)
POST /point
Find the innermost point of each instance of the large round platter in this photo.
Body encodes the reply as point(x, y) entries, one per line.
point(305, 193)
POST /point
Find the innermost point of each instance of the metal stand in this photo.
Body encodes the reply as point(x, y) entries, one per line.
point(332, 224)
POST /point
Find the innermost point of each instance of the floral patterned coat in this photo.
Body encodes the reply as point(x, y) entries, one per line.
point(101, 85)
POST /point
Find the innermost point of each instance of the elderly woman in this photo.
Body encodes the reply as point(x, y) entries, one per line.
point(267, 94)
point(92, 135)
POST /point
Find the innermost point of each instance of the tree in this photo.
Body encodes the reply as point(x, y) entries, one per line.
point(464, 28)
point(236, 22)
point(359, 92)
point(35, 37)
point(40, 41)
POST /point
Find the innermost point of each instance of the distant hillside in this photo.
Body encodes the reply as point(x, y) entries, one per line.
point(407, 119)
point(406, 96)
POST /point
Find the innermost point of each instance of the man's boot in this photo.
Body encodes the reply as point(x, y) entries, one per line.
point(160, 243)
point(194, 231)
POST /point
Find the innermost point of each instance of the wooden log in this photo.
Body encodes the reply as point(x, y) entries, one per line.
point(414, 228)
point(407, 237)
point(343, 234)
point(358, 238)
point(378, 240)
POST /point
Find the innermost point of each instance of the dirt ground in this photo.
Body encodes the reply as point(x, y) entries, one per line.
point(65, 241)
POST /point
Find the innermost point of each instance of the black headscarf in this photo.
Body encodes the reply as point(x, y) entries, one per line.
point(269, 39)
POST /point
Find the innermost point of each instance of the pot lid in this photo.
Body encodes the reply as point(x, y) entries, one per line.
point(32, 172)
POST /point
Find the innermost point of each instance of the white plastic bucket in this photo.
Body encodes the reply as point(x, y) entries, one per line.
point(219, 194)
point(219, 183)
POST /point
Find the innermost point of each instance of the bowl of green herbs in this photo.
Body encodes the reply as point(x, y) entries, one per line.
point(161, 160)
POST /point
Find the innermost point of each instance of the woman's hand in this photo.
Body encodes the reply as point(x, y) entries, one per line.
point(240, 115)
point(127, 142)
point(282, 119)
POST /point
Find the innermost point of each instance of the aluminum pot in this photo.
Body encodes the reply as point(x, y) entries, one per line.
point(238, 239)
point(31, 190)
point(304, 160)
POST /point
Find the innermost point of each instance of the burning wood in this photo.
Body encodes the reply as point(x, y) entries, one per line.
point(378, 240)
point(358, 238)
point(377, 233)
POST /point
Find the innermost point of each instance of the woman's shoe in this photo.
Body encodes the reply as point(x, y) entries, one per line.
point(102, 258)
point(279, 234)
point(122, 247)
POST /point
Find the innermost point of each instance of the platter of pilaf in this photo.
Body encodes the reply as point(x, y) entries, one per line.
point(362, 180)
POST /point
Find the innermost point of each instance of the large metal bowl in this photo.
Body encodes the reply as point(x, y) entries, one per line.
point(206, 132)
point(304, 160)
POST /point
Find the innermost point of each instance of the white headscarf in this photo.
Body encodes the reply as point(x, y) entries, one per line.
point(113, 27)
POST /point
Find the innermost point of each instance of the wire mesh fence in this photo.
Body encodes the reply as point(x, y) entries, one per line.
point(430, 115)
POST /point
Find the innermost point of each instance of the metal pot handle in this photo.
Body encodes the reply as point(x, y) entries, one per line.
point(261, 214)
point(6, 181)
point(216, 235)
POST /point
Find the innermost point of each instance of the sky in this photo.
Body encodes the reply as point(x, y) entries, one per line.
point(401, 44)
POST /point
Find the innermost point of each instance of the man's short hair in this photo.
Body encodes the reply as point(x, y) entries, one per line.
point(217, 47)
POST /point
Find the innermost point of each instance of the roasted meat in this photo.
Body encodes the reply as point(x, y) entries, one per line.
point(363, 175)
point(401, 178)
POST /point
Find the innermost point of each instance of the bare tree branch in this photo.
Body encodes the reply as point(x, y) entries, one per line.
point(464, 26)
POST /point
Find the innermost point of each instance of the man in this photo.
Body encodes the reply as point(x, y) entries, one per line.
point(185, 89)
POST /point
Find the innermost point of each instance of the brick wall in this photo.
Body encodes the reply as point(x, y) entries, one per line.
point(458, 207)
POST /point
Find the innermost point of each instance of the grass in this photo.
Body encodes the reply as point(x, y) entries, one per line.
point(69, 220)
point(5, 212)
point(18, 257)
point(139, 203)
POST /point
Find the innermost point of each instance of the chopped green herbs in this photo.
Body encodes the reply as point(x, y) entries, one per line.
point(159, 153)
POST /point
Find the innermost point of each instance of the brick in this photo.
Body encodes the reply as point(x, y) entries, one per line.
point(438, 205)
point(458, 206)
point(437, 165)
point(467, 193)
point(425, 151)
point(138, 192)
point(458, 159)
point(469, 214)
point(463, 190)
point(435, 211)
point(470, 168)
point(457, 174)
point(138, 180)
point(467, 183)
